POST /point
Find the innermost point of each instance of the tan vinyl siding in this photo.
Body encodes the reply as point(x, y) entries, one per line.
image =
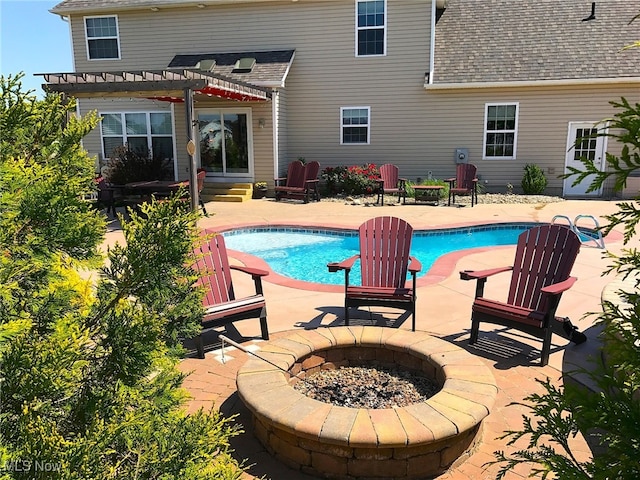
point(457, 120)
point(414, 128)
point(325, 74)
point(283, 133)
point(263, 143)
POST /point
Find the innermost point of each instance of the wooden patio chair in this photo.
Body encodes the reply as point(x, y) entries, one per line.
point(222, 307)
point(384, 260)
point(301, 182)
point(541, 272)
point(465, 183)
point(389, 182)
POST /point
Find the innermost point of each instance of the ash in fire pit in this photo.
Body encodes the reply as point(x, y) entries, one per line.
point(367, 387)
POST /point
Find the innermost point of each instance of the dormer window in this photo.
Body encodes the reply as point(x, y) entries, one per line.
point(371, 27)
point(102, 38)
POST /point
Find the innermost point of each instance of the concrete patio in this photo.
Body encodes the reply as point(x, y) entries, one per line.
point(444, 307)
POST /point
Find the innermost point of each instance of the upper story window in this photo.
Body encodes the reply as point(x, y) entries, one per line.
point(102, 38)
point(500, 130)
point(371, 27)
point(355, 125)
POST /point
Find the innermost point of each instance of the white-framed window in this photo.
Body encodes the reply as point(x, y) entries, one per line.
point(355, 123)
point(149, 134)
point(103, 41)
point(500, 130)
point(371, 28)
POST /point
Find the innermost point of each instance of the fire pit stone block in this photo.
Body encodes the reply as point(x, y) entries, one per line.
point(416, 441)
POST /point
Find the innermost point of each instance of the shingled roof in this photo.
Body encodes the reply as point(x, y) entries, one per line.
point(270, 69)
point(75, 6)
point(482, 41)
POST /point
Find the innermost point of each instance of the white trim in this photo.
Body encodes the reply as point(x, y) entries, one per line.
point(86, 37)
point(275, 121)
point(368, 125)
point(172, 109)
point(432, 45)
point(515, 131)
point(384, 30)
point(532, 83)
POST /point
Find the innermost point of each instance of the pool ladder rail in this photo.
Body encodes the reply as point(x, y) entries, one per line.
point(587, 235)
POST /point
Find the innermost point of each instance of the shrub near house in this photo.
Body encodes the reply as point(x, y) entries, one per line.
point(351, 180)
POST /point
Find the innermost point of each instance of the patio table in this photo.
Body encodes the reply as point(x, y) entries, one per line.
point(427, 193)
point(161, 187)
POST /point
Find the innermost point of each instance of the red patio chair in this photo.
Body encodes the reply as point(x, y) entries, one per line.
point(465, 183)
point(220, 302)
point(389, 182)
point(384, 260)
point(543, 262)
point(301, 182)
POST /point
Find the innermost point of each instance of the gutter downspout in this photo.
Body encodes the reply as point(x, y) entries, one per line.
point(432, 43)
point(275, 122)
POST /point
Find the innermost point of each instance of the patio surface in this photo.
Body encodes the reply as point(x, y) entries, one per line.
point(443, 310)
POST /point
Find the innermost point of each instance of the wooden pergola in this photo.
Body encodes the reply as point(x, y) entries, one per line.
point(172, 85)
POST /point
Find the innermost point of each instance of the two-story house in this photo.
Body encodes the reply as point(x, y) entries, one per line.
point(422, 84)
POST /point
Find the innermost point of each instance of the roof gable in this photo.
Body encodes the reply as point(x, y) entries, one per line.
point(507, 41)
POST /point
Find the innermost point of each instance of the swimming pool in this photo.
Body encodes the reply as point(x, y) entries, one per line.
point(303, 253)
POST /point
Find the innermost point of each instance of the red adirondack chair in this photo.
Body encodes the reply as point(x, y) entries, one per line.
point(541, 272)
point(465, 183)
point(384, 260)
point(220, 302)
point(301, 182)
point(389, 182)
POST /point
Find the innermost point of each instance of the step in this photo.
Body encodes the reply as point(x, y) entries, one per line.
point(227, 198)
point(227, 191)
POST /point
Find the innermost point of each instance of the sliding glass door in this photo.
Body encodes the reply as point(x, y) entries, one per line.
point(225, 143)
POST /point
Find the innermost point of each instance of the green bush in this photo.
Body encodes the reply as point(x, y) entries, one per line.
point(352, 180)
point(89, 379)
point(443, 193)
point(126, 166)
point(533, 182)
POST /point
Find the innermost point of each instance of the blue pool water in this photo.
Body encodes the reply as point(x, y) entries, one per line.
point(303, 254)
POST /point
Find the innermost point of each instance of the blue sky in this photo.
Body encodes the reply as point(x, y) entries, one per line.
point(33, 40)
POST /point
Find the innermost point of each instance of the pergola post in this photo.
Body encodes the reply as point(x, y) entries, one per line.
point(193, 176)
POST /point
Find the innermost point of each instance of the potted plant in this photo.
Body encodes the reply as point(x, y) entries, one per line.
point(259, 189)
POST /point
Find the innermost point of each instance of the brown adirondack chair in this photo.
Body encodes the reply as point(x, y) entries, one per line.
point(222, 307)
point(389, 182)
point(301, 182)
point(541, 272)
point(384, 260)
point(465, 183)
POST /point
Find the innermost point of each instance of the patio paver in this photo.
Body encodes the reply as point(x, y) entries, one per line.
point(443, 310)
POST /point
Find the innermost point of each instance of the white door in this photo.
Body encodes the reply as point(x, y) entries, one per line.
point(582, 142)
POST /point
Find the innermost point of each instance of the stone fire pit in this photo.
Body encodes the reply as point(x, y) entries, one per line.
point(417, 441)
